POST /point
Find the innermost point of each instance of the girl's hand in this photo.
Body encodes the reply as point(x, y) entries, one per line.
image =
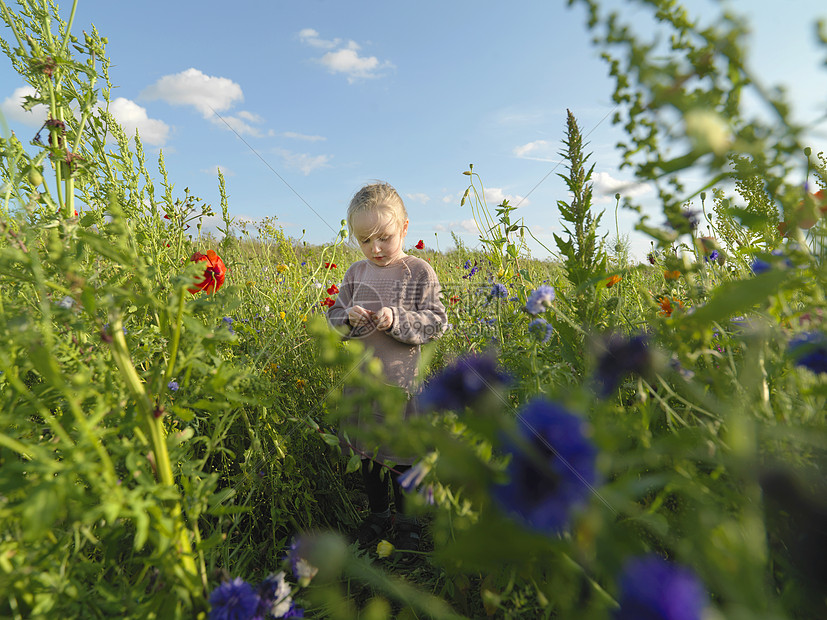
point(358, 316)
point(383, 319)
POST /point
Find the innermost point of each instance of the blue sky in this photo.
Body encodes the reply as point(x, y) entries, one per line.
point(333, 94)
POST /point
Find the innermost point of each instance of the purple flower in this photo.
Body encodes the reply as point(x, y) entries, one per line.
point(552, 467)
point(233, 600)
point(653, 589)
point(228, 321)
point(540, 299)
point(541, 328)
point(498, 291)
point(474, 270)
point(760, 266)
point(467, 264)
point(622, 357)
point(275, 600)
point(303, 570)
point(293, 612)
point(809, 349)
point(173, 386)
point(692, 218)
point(412, 478)
point(461, 383)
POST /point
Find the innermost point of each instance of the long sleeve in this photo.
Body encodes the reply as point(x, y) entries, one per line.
point(422, 316)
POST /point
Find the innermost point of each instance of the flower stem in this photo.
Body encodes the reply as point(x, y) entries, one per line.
point(120, 353)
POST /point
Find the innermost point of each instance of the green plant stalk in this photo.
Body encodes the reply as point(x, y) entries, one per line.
point(176, 337)
point(157, 437)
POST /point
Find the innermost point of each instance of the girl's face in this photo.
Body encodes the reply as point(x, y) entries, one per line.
point(379, 237)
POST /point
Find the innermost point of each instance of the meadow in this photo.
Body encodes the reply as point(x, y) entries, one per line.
point(605, 437)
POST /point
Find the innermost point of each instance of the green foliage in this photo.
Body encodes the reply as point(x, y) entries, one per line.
point(152, 441)
point(583, 255)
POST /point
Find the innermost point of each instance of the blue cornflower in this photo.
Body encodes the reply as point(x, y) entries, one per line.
point(275, 600)
point(293, 612)
point(760, 266)
point(540, 299)
point(653, 588)
point(692, 217)
point(541, 328)
point(173, 386)
point(474, 270)
point(622, 357)
point(411, 479)
point(462, 382)
point(228, 321)
point(498, 291)
point(233, 600)
point(302, 569)
point(552, 467)
point(467, 264)
point(809, 349)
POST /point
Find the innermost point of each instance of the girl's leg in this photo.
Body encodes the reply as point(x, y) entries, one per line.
point(376, 486)
point(408, 530)
point(378, 522)
point(398, 495)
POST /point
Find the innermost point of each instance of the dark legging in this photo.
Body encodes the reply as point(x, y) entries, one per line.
point(376, 486)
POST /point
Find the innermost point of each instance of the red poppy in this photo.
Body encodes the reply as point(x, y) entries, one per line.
point(821, 201)
point(613, 280)
point(213, 273)
point(420, 245)
point(333, 290)
point(672, 275)
point(454, 299)
point(330, 265)
point(666, 305)
point(327, 301)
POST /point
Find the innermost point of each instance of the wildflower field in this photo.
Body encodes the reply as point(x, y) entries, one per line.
point(605, 437)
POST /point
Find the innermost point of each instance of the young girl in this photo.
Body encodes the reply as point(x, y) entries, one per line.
point(392, 302)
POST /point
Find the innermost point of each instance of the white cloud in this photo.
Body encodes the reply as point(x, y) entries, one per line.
point(237, 124)
point(192, 87)
point(249, 116)
point(12, 108)
point(343, 57)
point(468, 226)
point(303, 162)
point(311, 37)
point(495, 195)
point(423, 198)
point(301, 136)
point(605, 186)
point(539, 150)
point(132, 117)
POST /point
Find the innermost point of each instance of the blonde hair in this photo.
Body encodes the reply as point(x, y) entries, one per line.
point(380, 198)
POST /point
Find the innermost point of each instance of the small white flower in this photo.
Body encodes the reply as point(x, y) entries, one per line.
point(67, 302)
